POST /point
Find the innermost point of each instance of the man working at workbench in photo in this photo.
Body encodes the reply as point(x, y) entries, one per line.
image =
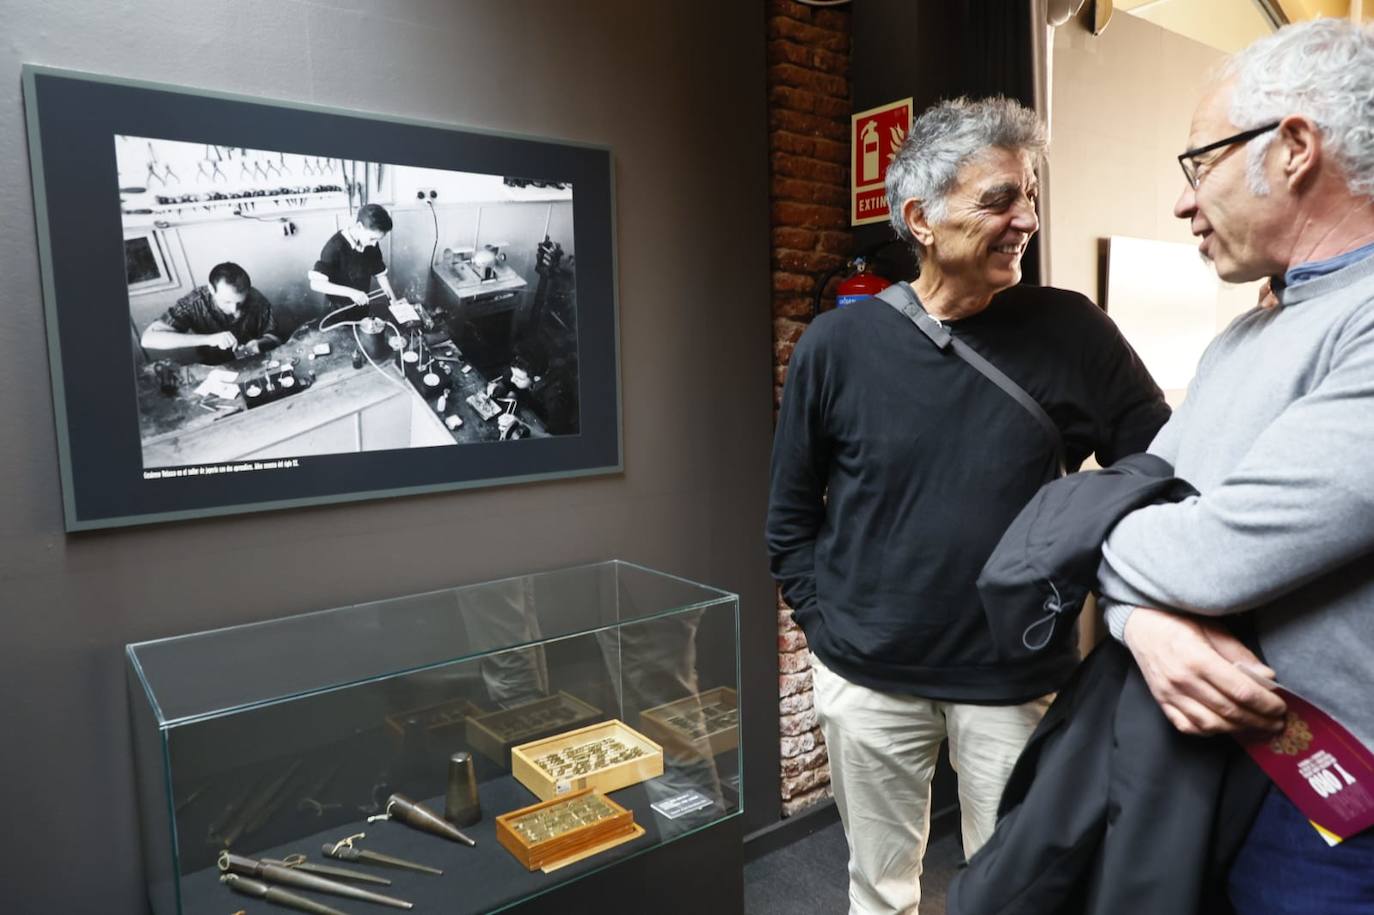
point(351, 258)
point(222, 320)
point(898, 463)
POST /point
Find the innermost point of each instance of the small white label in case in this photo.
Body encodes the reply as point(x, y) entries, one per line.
point(562, 787)
point(679, 805)
point(321, 349)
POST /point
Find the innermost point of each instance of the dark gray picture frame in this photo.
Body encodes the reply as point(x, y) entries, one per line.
point(73, 119)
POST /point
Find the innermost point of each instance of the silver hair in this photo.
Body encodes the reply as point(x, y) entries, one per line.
point(942, 140)
point(1322, 69)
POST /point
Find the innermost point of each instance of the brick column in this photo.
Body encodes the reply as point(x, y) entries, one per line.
point(808, 122)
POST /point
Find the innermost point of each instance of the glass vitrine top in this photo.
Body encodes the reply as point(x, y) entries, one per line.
point(191, 677)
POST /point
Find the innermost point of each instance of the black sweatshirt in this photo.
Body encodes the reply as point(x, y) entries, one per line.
point(897, 466)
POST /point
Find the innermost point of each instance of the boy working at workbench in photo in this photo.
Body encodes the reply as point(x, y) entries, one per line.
point(351, 258)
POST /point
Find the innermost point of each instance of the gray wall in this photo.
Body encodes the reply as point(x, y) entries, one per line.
point(677, 90)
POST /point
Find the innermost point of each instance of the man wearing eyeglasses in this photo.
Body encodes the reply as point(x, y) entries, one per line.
point(1277, 434)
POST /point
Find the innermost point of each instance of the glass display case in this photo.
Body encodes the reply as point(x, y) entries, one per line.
point(283, 740)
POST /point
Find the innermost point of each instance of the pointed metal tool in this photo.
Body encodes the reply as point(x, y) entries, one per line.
point(300, 863)
point(399, 807)
point(343, 850)
point(287, 876)
point(260, 890)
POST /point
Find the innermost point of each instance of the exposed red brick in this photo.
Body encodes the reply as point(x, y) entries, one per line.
point(808, 124)
point(831, 19)
point(800, 723)
point(833, 150)
point(792, 282)
point(796, 765)
point(806, 782)
point(801, 702)
point(809, 215)
point(793, 662)
point(809, 168)
point(787, 330)
point(796, 144)
point(802, 743)
point(829, 84)
point(790, 8)
point(808, 136)
point(794, 238)
point(807, 102)
point(832, 107)
point(783, 51)
point(797, 307)
point(792, 99)
point(792, 640)
point(790, 684)
point(804, 801)
point(800, 190)
point(835, 242)
point(809, 35)
point(808, 262)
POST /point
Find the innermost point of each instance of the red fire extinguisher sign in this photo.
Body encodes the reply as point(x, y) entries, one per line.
point(875, 135)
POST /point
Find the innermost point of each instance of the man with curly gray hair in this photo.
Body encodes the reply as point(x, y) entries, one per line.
point(1276, 433)
point(896, 467)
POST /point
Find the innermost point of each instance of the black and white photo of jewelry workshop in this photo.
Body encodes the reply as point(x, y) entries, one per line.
point(283, 304)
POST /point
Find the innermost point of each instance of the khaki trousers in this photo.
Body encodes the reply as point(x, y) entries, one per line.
point(882, 749)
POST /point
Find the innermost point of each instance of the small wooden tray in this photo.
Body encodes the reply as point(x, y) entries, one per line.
point(682, 723)
point(545, 785)
point(495, 733)
point(549, 852)
point(441, 718)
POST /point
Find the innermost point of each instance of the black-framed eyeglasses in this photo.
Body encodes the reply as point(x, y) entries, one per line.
point(1192, 169)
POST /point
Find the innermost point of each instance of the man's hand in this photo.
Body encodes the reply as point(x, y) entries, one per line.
point(359, 298)
point(222, 340)
point(252, 348)
point(1191, 669)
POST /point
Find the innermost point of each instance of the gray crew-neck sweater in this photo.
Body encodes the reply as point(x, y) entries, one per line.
point(1277, 434)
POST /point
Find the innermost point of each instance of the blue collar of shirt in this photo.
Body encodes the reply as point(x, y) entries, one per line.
point(1313, 269)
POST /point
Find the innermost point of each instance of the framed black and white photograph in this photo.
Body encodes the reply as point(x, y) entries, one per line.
point(256, 305)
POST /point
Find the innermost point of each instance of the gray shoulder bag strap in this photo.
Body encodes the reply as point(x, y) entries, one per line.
point(903, 298)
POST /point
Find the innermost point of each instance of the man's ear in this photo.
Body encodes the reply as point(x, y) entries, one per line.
point(914, 215)
point(1300, 145)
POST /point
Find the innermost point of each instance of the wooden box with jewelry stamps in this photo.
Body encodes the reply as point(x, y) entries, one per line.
point(551, 834)
point(706, 723)
point(494, 734)
point(604, 756)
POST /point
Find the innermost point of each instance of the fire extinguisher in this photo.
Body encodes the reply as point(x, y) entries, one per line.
point(859, 285)
point(861, 280)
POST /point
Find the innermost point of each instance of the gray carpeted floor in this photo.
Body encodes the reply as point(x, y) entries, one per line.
point(808, 877)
